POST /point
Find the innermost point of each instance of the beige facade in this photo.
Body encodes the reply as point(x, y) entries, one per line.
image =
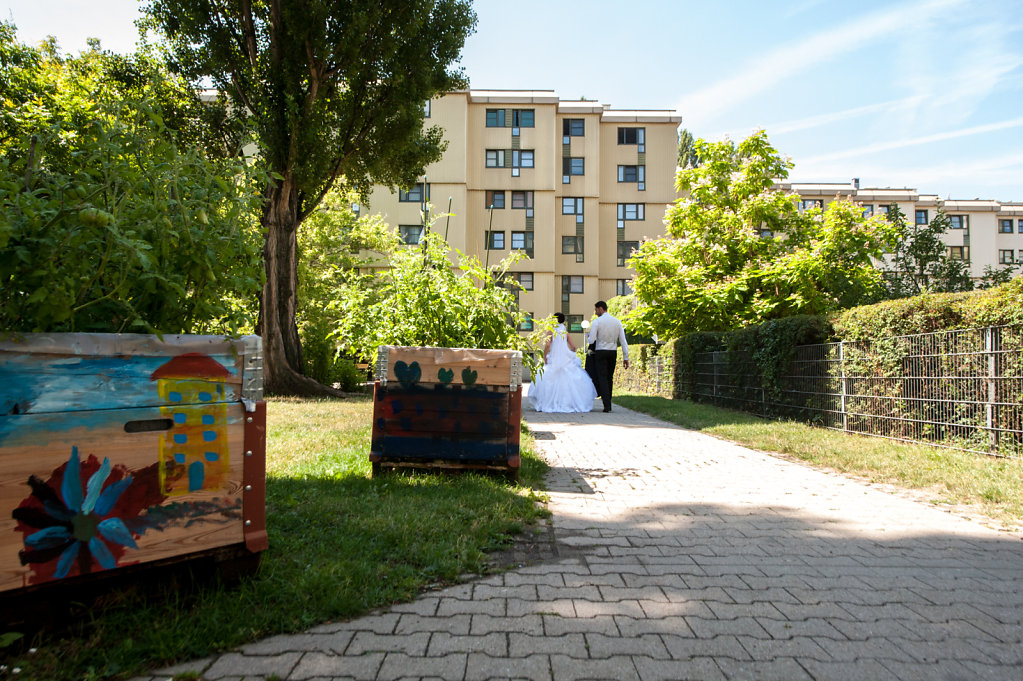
point(573, 184)
point(984, 232)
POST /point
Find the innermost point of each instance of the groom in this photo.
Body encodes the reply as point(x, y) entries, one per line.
point(607, 333)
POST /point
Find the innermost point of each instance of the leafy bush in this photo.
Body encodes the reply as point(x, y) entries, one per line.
point(109, 220)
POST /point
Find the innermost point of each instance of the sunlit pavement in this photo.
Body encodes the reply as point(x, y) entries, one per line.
point(680, 556)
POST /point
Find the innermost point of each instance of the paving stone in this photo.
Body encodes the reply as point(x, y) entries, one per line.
point(695, 669)
point(526, 624)
point(299, 643)
point(686, 648)
point(523, 645)
point(519, 608)
point(369, 642)
point(325, 665)
point(649, 645)
point(480, 667)
point(494, 644)
point(621, 668)
point(453, 624)
point(398, 665)
point(236, 664)
point(784, 669)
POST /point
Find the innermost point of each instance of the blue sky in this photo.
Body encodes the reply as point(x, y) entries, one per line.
point(910, 93)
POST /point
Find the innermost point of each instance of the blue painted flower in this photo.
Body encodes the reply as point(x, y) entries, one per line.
point(76, 518)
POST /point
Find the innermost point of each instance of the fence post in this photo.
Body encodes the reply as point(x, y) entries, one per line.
point(989, 343)
point(715, 363)
point(845, 390)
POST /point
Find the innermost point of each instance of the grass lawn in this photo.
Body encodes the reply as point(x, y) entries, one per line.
point(341, 544)
point(990, 486)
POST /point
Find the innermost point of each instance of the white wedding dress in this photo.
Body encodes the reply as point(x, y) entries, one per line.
point(563, 386)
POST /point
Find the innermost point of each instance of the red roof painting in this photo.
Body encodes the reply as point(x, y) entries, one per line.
point(191, 365)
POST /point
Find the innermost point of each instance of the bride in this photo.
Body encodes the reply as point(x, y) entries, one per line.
point(562, 386)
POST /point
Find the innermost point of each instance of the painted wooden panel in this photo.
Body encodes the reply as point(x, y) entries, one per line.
point(90, 497)
point(42, 373)
point(453, 423)
point(411, 366)
point(87, 485)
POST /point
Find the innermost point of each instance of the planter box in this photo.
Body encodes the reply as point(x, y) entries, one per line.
point(449, 408)
point(123, 450)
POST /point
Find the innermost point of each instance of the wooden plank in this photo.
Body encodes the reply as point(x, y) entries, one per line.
point(159, 493)
point(254, 479)
point(443, 447)
point(450, 366)
point(47, 373)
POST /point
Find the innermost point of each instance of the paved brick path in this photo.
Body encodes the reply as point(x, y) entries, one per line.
point(685, 557)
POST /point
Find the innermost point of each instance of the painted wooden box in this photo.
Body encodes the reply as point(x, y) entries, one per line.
point(447, 408)
point(119, 450)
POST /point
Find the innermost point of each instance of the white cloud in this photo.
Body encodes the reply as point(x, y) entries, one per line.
point(914, 141)
point(767, 70)
point(820, 120)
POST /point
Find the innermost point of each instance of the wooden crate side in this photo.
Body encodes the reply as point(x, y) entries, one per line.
point(254, 479)
point(96, 495)
point(441, 422)
point(514, 428)
point(410, 366)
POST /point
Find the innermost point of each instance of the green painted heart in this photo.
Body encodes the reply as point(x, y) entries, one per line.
point(468, 376)
point(408, 374)
point(445, 375)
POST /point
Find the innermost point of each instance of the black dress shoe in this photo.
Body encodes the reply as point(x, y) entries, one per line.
point(607, 411)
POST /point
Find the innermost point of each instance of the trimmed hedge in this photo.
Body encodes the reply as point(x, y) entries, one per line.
point(761, 354)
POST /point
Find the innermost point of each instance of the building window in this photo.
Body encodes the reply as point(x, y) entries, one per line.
point(1005, 226)
point(631, 211)
point(573, 323)
point(527, 323)
point(1005, 256)
point(525, 280)
point(921, 217)
point(415, 194)
point(635, 174)
point(495, 118)
point(522, 241)
point(574, 127)
point(809, 204)
point(522, 200)
point(495, 241)
point(883, 208)
point(571, 245)
point(625, 249)
point(410, 234)
point(522, 158)
point(427, 108)
point(571, 205)
point(495, 199)
point(961, 222)
point(573, 284)
point(623, 287)
point(868, 210)
point(495, 158)
point(1020, 225)
point(632, 136)
point(523, 118)
point(575, 165)
point(957, 252)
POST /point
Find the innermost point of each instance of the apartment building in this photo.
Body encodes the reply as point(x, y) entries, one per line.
point(575, 185)
point(983, 232)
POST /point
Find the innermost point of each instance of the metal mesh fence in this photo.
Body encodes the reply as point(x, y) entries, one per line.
point(961, 389)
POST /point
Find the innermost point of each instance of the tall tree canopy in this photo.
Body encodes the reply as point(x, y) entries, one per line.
point(739, 252)
point(334, 90)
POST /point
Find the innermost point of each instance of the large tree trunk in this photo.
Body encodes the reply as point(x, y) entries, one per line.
point(282, 349)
